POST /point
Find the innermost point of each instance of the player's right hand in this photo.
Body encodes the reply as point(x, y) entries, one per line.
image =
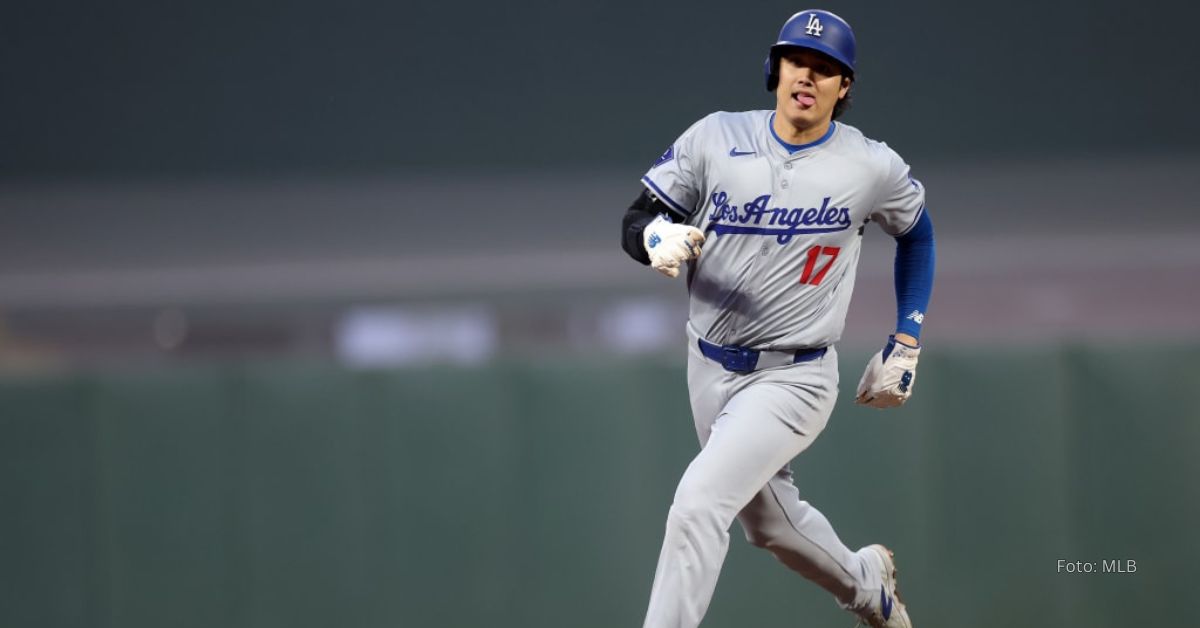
point(670, 245)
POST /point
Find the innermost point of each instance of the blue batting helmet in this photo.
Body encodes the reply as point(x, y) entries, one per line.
point(818, 30)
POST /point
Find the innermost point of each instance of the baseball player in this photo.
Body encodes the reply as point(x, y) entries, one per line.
point(766, 211)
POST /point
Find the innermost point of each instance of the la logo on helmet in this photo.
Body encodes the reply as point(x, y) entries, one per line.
point(813, 27)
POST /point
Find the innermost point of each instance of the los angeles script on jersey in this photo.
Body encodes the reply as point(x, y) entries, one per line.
point(758, 218)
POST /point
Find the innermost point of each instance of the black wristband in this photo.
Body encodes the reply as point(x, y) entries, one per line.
point(644, 209)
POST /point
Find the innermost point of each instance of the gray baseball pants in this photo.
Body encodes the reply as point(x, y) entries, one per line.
point(750, 427)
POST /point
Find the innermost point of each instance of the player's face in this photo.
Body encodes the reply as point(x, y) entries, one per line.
point(810, 84)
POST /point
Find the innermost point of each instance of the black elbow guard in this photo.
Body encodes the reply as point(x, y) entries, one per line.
point(641, 213)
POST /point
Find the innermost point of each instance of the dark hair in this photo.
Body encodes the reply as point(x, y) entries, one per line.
point(843, 103)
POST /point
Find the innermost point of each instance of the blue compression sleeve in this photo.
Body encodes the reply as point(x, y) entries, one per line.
point(914, 275)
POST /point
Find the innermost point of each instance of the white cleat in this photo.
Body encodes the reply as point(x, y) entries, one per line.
point(888, 611)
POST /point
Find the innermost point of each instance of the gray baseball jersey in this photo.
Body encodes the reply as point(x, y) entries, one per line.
point(783, 229)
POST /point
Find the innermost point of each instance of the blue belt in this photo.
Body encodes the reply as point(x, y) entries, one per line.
point(742, 360)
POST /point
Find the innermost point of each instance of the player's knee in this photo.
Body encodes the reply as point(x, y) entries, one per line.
point(690, 509)
point(692, 504)
point(757, 536)
point(762, 534)
point(693, 520)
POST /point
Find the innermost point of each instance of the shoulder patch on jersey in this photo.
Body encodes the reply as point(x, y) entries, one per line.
point(667, 156)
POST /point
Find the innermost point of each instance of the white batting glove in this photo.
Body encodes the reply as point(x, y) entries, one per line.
point(670, 245)
point(890, 376)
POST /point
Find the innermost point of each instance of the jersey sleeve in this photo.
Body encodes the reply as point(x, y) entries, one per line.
point(901, 199)
point(676, 176)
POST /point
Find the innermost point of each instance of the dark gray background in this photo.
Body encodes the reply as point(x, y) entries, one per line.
point(141, 88)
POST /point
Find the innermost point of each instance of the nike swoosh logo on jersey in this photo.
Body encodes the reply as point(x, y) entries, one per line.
point(734, 152)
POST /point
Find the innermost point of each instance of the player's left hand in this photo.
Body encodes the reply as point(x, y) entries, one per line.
point(890, 376)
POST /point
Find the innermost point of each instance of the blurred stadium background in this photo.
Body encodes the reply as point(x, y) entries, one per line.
point(315, 314)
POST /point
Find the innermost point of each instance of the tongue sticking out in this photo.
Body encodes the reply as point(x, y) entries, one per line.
point(805, 100)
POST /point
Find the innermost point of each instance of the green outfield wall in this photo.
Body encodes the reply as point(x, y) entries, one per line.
point(524, 495)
